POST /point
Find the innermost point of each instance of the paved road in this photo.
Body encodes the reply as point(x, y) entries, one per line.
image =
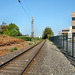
point(50, 61)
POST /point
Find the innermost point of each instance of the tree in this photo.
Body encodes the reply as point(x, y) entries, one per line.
point(12, 30)
point(26, 35)
point(2, 27)
point(47, 33)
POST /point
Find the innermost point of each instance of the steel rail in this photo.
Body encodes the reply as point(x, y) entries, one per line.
point(31, 59)
point(19, 54)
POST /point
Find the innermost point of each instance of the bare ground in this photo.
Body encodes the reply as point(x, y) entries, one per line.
point(7, 43)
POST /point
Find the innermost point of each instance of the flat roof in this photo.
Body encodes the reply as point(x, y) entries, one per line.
point(64, 32)
point(65, 29)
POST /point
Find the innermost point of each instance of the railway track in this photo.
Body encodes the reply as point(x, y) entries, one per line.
point(18, 64)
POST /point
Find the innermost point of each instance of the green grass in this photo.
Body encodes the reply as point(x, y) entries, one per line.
point(30, 43)
point(36, 42)
point(24, 38)
point(13, 49)
point(37, 38)
point(59, 47)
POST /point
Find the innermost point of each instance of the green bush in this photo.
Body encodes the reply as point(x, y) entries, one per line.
point(30, 43)
point(35, 42)
point(12, 50)
point(15, 48)
point(12, 30)
point(37, 38)
point(24, 38)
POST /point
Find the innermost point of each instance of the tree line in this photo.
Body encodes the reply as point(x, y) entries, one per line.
point(11, 29)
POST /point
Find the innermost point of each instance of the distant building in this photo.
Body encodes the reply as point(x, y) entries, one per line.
point(72, 28)
point(73, 22)
point(65, 31)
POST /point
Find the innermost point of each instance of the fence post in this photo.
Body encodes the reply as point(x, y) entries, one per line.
point(63, 41)
point(67, 43)
point(72, 44)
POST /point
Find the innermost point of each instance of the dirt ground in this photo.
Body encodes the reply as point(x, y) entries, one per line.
point(7, 43)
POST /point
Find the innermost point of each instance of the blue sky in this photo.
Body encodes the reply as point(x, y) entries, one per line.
point(55, 14)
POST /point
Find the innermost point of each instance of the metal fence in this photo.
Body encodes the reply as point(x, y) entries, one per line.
point(68, 44)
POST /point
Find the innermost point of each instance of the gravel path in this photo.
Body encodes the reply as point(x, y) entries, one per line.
point(50, 61)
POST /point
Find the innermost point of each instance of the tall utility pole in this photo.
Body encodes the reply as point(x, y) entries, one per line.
point(32, 29)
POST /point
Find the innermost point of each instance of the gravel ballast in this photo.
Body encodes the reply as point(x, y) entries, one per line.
point(50, 61)
point(15, 66)
point(6, 57)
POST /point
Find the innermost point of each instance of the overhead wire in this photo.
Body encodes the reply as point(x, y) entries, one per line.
point(27, 7)
point(24, 9)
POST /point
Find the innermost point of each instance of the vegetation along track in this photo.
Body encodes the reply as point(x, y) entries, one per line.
point(18, 64)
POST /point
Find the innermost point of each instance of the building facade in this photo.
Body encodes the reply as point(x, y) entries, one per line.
point(72, 28)
point(73, 22)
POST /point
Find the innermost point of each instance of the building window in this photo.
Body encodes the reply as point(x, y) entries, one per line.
point(73, 27)
point(65, 30)
point(73, 19)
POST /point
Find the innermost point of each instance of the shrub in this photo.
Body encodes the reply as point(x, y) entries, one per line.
point(35, 42)
point(37, 38)
point(24, 38)
point(30, 43)
point(12, 50)
point(15, 48)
